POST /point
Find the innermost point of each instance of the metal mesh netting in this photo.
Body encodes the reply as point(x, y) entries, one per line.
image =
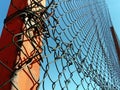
point(77, 50)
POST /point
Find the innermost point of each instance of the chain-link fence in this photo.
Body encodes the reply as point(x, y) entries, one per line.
point(72, 43)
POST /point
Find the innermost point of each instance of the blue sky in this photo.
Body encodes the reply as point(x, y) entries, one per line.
point(114, 9)
point(4, 4)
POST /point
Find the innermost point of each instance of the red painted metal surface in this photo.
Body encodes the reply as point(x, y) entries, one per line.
point(8, 55)
point(116, 41)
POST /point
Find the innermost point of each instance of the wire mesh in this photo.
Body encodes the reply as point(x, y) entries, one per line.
point(77, 50)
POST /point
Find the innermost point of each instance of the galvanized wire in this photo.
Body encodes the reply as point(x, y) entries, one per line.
point(78, 51)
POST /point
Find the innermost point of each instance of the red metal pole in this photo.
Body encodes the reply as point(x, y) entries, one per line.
point(116, 41)
point(8, 54)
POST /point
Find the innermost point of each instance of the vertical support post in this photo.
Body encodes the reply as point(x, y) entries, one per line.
point(117, 43)
point(28, 77)
point(8, 51)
